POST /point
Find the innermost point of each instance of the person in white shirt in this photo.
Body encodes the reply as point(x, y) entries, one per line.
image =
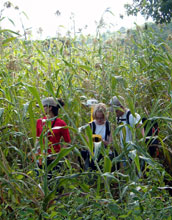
point(125, 117)
point(128, 122)
point(100, 125)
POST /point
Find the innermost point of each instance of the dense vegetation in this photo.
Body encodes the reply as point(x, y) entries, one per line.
point(137, 66)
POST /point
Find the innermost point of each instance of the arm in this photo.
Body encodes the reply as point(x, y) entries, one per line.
point(66, 136)
point(109, 140)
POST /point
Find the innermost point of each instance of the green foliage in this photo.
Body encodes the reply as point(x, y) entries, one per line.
point(160, 10)
point(136, 66)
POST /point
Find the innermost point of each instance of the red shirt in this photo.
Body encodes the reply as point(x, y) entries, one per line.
point(54, 137)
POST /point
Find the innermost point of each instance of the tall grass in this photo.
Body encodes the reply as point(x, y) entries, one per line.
point(136, 66)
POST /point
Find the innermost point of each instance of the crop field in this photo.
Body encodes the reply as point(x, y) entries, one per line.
point(137, 66)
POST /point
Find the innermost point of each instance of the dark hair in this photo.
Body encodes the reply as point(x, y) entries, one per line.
point(55, 109)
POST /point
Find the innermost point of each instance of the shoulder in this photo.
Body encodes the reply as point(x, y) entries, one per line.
point(134, 119)
point(138, 118)
point(107, 123)
point(60, 122)
point(40, 120)
point(127, 112)
point(92, 123)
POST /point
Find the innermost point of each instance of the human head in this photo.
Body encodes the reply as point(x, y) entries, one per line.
point(51, 105)
point(116, 104)
point(100, 113)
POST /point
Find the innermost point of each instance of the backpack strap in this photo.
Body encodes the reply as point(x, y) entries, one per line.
point(119, 120)
point(52, 126)
point(93, 126)
point(108, 131)
point(107, 127)
point(127, 117)
point(53, 123)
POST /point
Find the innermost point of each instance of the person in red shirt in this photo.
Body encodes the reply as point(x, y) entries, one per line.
point(51, 108)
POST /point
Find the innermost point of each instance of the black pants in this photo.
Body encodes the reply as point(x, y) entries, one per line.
point(153, 147)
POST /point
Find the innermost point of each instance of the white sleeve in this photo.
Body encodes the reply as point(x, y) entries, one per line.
point(134, 120)
point(137, 119)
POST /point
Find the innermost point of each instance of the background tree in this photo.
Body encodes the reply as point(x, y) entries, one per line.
point(159, 10)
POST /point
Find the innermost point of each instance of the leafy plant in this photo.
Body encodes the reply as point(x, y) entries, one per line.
point(136, 66)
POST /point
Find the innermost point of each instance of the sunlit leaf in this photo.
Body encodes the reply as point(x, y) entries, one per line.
point(107, 164)
point(32, 122)
point(35, 93)
point(90, 139)
point(63, 152)
point(49, 88)
point(97, 148)
point(8, 30)
point(111, 176)
point(5, 42)
point(87, 68)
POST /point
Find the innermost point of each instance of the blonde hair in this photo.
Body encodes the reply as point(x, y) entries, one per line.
point(101, 107)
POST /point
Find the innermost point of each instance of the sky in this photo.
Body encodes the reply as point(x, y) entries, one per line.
point(74, 14)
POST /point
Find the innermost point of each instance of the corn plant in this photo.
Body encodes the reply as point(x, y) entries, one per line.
point(136, 66)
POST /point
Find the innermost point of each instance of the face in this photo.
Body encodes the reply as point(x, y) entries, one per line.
point(100, 118)
point(119, 112)
point(47, 109)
